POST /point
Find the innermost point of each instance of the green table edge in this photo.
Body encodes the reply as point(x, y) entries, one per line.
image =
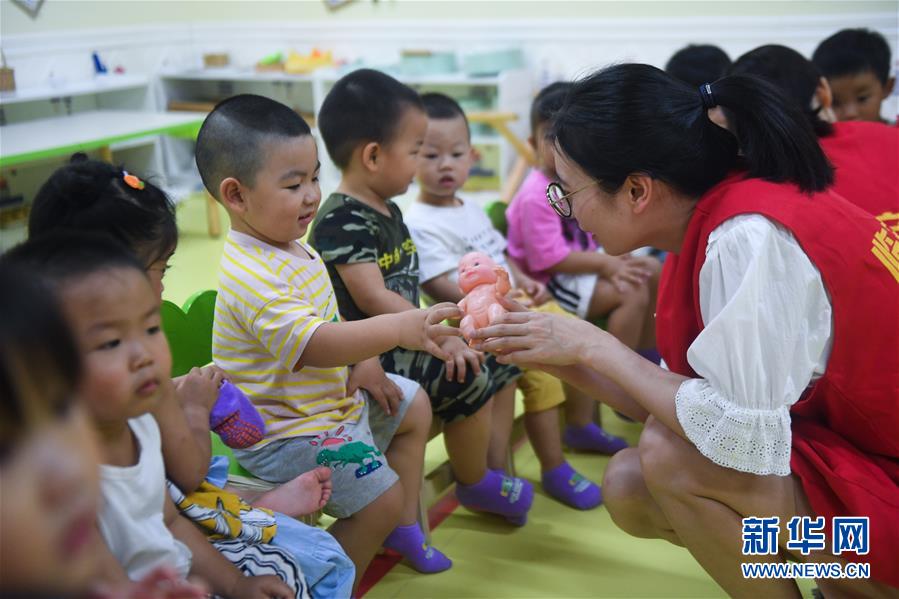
point(184, 131)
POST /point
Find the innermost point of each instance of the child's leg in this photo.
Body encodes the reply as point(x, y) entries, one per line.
point(626, 311)
point(494, 491)
point(465, 409)
point(580, 408)
point(582, 431)
point(362, 534)
point(405, 453)
point(326, 568)
point(502, 416)
point(467, 441)
point(543, 433)
point(542, 395)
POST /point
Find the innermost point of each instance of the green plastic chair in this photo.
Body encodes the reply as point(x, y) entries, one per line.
point(496, 212)
point(189, 333)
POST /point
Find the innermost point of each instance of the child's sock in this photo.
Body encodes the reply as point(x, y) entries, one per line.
point(235, 419)
point(565, 484)
point(592, 438)
point(500, 494)
point(409, 541)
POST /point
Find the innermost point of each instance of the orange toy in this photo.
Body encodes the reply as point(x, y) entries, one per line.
point(483, 283)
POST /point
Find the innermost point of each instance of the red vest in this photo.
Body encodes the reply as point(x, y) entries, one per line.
point(865, 156)
point(846, 425)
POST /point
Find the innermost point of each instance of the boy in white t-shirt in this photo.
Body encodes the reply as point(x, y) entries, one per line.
point(445, 228)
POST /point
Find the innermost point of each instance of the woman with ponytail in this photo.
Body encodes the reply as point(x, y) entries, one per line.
point(864, 154)
point(776, 319)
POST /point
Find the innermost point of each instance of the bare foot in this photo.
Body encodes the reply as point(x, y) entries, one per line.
point(303, 495)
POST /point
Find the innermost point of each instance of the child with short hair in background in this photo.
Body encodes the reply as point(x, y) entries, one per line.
point(857, 65)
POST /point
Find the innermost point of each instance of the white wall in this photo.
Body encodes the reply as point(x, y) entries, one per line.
point(61, 15)
point(560, 38)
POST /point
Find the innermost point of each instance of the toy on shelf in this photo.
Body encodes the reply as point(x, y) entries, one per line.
point(216, 60)
point(483, 283)
point(300, 64)
point(99, 67)
point(271, 62)
point(7, 75)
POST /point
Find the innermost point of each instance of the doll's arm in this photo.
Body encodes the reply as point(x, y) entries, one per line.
point(503, 285)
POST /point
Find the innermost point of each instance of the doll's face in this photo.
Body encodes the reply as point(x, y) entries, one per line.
point(476, 269)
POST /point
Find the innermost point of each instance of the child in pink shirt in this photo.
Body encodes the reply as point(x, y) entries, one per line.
point(555, 251)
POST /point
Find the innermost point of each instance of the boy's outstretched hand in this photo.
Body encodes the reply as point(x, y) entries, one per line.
point(424, 329)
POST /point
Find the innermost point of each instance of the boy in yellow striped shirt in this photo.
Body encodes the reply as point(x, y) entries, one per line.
point(278, 335)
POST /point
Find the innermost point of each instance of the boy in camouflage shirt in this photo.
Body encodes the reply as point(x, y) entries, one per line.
point(373, 127)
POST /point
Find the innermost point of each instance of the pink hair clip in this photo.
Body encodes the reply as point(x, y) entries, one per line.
point(132, 180)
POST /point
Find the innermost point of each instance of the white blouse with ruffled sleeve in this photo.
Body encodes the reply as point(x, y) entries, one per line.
point(767, 336)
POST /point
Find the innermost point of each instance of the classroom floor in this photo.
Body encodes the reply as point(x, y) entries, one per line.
point(561, 552)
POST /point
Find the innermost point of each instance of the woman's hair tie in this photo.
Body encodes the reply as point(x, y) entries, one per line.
point(708, 99)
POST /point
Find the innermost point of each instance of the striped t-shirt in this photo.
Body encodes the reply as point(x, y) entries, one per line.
point(269, 304)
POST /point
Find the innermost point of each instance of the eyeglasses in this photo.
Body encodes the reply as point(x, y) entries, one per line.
point(561, 201)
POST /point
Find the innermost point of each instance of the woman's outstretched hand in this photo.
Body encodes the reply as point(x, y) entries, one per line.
point(522, 337)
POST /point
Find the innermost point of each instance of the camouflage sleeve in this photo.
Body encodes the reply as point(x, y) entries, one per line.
point(347, 236)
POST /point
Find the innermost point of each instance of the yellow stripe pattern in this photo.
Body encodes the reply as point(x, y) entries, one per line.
point(270, 303)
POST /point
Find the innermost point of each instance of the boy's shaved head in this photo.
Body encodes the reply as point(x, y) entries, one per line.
point(233, 139)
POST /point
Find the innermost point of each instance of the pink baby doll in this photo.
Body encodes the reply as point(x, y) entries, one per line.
point(483, 283)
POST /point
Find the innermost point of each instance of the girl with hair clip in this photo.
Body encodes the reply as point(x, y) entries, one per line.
point(779, 395)
point(864, 153)
point(49, 460)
